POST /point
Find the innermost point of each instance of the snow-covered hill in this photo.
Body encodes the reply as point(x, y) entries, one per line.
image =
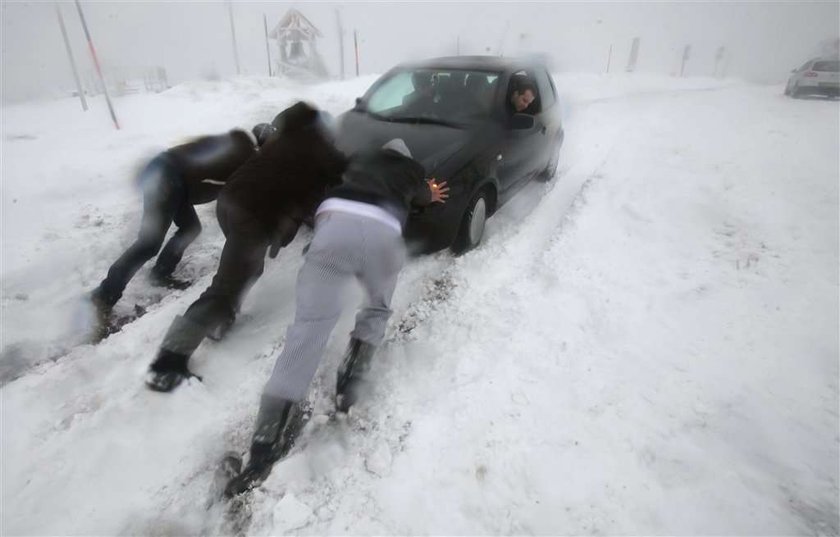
point(646, 345)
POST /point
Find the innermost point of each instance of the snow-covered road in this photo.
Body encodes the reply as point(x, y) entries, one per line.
point(646, 345)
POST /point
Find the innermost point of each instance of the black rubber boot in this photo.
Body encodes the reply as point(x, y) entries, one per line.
point(158, 279)
point(168, 371)
point(103, 300)
point(271, 441)
point(103, 304)
point(351, 373)
point(220, 331)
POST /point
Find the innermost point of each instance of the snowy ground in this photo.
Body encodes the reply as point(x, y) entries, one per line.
point(647, 345)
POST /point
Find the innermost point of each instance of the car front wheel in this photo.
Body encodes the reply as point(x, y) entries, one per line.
point(551, 169)
point(472, 224)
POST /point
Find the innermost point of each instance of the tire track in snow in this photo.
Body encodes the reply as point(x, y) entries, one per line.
point(387, 422)
point(179, 436)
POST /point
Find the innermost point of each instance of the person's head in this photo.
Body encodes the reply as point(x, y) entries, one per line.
point(297, 116)
point(262, 132)
point(304, 116)
point(523, 94)
point(422, 81)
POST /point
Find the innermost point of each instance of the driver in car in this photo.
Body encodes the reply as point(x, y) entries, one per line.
point(422, 98)
point(522, 95)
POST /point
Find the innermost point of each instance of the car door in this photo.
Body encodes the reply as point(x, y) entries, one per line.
point(548, 121)
point(519, 147)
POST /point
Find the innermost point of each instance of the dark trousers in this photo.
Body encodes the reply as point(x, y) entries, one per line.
point(241, 264)
point(164, 201)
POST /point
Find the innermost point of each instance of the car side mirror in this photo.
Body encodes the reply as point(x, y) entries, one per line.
point(358, 105)
point(522, 122)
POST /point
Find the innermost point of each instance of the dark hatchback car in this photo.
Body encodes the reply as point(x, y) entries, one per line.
point(454, 116)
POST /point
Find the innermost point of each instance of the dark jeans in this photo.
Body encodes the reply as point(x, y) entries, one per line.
point(241, 264)
point(164, 201)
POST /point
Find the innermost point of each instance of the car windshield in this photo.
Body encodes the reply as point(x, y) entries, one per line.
point(829, 66)
point(451, 97)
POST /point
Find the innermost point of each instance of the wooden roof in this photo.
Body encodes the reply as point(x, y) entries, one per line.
point(295, 27)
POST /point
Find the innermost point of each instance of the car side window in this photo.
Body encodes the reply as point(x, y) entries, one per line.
point(827, 66)
point(804, 67)
point(546, 89)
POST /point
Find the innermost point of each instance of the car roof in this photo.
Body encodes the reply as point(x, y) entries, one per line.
point(490, 63)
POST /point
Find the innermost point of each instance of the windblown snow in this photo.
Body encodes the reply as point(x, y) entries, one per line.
point(648, 344)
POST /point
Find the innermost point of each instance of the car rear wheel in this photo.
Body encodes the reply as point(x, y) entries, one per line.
point(472, 224)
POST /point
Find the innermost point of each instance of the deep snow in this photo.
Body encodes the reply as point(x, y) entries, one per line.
point(646, 345)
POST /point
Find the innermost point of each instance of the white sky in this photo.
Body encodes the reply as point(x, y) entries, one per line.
point(192, 39)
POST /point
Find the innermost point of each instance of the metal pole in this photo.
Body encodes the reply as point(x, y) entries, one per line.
point(458, 46)
point(96, 63)
point(233, 34)
point(356, 44)
point(70, 55)
point(634, 55)
point(502, 40)
point(719, 54)
point(340, 41)
point(609, 58)
point(267, 49)
point(686, 53)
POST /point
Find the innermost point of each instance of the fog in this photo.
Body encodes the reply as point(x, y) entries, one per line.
point(763, 41)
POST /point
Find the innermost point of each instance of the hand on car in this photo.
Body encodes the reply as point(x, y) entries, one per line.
point(439, 190)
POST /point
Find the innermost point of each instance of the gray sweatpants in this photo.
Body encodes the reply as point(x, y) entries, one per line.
point(345, 246)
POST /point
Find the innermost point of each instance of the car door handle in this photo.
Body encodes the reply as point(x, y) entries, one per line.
point(543, 130)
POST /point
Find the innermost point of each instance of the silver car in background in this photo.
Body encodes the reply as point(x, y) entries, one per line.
point(820, 76)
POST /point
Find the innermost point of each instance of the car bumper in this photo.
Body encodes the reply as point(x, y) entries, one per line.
point(823, 88)
point(816, 83)
point(828, 88)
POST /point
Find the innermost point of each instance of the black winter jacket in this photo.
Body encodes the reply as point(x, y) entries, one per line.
point(290, 174)
point(208, 162)
point(387, 179)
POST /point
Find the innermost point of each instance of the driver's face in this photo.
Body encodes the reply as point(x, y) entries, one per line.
point(523, 100)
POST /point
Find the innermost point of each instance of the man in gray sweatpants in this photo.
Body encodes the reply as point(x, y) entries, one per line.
point(358, 235)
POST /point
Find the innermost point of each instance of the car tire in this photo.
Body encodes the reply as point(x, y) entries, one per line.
point(472, 223)
point(551, 169)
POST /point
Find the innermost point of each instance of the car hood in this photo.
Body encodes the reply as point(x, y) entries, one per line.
point(432, 145)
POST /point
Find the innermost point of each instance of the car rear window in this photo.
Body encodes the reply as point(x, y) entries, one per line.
point(829, 66)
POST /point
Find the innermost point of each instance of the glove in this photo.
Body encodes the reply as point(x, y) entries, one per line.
point(284, 233)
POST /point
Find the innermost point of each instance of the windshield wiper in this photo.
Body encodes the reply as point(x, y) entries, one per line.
point(420, 120)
